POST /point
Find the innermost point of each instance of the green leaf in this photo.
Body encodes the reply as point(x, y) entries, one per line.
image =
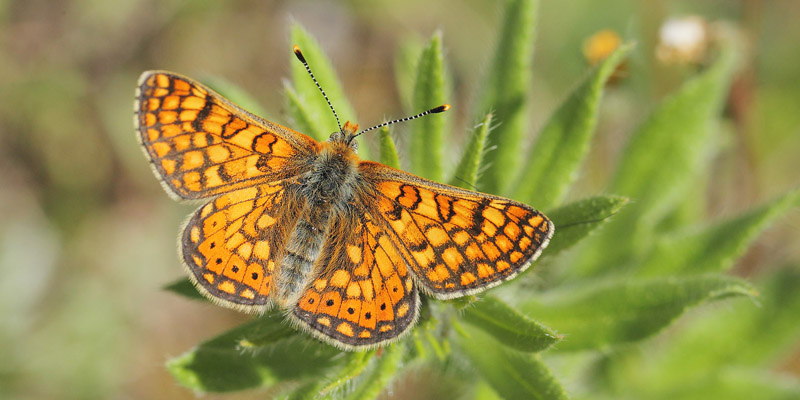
point(512, 374)
point(335, 385)
point(385, 366)
point(427, 134)
point(303, 119)
point(737, 384)
point(597, 316)
point(485, 392)
point(509, 326)
point(185, 288)
point(316, 113)
point(236, 95)
point(671, 146)
point(259, 353)
point(715, 247)
point(746, 336)
point(505, 93)
point(564, 141)
point(405, 67)
point(306, 391)
point(357, 363)
point(466, 174)
point(659, 164)
point(388, 151)
point(577, 220)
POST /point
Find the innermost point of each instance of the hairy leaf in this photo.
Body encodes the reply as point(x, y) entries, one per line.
point(753, 336)
point(316, 113)
point(717, 246)
point(597, 316)
point(258, 353)
point(562, 144)
point(385, 366)
point(512, 374)
point(668, 151)
point(466, 174)
point(236, 94)
point(506, 91)
point(388, 150)
point(427, 134)
point(577, 220)
point(509, 326)
point(185, 288)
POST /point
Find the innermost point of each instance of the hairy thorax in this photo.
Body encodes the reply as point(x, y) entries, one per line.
point(326, 190)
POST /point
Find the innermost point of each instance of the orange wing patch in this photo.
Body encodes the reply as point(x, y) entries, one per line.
point(201, 145)
point(457, 242)
point(365, 294)
point(229, 250)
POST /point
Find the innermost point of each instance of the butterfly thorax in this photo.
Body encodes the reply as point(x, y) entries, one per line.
point(327, 189)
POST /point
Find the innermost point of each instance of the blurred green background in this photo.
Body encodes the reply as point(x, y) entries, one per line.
point(88, 237)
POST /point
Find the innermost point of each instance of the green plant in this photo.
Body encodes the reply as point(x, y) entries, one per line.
point(593, 320)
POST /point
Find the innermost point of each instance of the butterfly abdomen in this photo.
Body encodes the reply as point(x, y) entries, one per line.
point(327, 188)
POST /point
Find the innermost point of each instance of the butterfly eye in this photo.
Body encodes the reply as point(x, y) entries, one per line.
point(335, 137)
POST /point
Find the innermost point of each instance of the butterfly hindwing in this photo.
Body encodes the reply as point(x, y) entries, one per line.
point(201, 145)
point(364, 294)
point(233, 244)
point(458, 242)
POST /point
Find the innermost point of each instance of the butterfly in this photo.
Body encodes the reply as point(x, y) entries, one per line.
point(343, 245)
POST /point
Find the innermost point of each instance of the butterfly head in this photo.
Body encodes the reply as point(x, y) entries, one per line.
point(346, 135)
point(349, 131)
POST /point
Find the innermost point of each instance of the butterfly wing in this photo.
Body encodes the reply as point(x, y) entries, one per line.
point(201, 145)
point(232, 245)
point(457, 241)
point(365, 295)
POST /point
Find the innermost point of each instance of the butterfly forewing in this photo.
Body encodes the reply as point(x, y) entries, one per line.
point(201, 145)
point(456, 241)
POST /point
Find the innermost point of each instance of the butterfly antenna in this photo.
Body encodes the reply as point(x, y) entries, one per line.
point(442, 108)
point(302, 59)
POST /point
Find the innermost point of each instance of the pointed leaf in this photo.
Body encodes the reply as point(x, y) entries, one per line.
point(306, 391)
point(334, 385)
point(738, 384)
point(388, 151)
point(236, 95)
point(185, 288)
point(466, 175)
point(512, 374)
point(385, 366)
point(596, 316)
point(715, 247)
point(577, 220)
point(671, 145)
point(427, 134)
point(405, 67)
point(662, 159)
point(318, 114)
point(753, 336)
point(356, 364)
point(303, 120)
point(505, 93)
point(562, 144)
point(258, 353)
point(509, 326)
point(485, 392)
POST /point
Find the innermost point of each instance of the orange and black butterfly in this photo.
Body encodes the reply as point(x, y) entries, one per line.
point(342, 244)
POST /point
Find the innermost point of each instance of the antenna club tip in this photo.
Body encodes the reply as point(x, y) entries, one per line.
point(441, 108)
point(298, 53)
